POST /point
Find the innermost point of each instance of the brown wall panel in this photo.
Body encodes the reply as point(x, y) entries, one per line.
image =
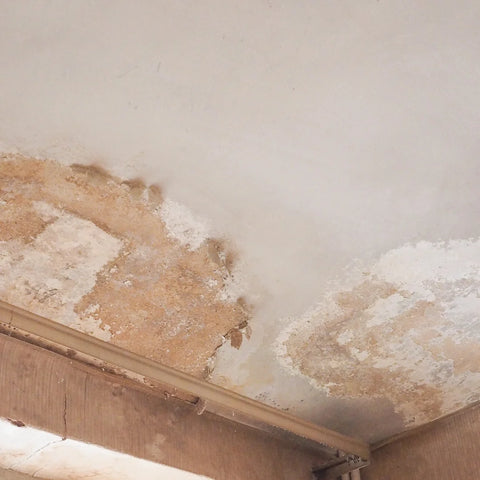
point(54, 393)
point(446, 450)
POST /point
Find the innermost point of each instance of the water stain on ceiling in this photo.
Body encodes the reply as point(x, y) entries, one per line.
point(115, 260)
point(407, 329)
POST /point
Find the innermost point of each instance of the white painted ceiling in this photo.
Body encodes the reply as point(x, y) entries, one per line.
point(320, 138)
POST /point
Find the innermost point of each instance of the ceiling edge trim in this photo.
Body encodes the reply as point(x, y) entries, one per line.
point(45, 332)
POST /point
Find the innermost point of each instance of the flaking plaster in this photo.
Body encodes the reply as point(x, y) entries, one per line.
point(87, 250)
point(407, 329)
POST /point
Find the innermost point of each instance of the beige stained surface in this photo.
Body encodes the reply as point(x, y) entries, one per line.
point(408, 330)
point(82, 248)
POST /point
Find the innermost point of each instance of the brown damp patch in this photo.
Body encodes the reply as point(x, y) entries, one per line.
point(166, 299)
point(363, 296)
point(351, 358)
point(466, 355)
point(157, 298)
point(18, 219)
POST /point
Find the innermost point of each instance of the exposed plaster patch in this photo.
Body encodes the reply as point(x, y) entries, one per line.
point(407, 330)
point(46, 212)
point(86, 249)
point(51, 274)
point(234, 284)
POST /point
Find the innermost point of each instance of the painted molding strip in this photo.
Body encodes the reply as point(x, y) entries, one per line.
point(47, 331)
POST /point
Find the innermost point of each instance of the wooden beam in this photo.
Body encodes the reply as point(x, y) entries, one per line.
point(49, 334)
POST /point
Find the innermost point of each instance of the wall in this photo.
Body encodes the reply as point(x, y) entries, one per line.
point(445, 450)
point(11, 475)
point(44, 455)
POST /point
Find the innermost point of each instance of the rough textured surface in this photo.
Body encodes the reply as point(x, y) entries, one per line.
point(407, 329)
point(85, 249)
point(446, 450)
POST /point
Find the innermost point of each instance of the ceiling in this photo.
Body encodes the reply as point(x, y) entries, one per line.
point(303, 182)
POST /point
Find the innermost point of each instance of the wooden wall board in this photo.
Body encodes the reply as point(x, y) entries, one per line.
point(11, 475)
point(61, 395)
point(445, 450)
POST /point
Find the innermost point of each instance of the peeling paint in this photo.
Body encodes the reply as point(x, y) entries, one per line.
point(182, 225)
point(92, 252)
point(407, 329)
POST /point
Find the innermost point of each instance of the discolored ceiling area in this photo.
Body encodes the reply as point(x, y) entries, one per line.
point(281, 198)
point(407, 330)
point(114, 260)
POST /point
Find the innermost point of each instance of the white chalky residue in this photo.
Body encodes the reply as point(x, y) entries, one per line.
point(46, 211)
point(236, 285)
point(211, 283)
point(191, 231)
point(182, 225)
point(415, 267)
point(51, 274)
point(359, 355)
point(232, 289)
point(345, 337)
point(384, 310)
